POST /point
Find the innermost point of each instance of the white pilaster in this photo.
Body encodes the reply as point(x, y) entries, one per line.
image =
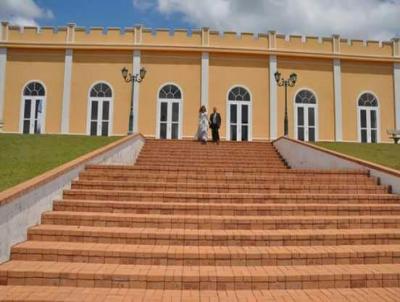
point(138, 34)
point(204, 78)
point(67, 91)
point(136, 70)
point(337, 84)
point(396, 71)
point(273, 98)
point(3, 62)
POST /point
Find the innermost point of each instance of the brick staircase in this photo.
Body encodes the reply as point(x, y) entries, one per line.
point(228, 222)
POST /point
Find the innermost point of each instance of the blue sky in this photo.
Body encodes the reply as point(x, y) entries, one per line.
point(365, 19)
point(115, 13)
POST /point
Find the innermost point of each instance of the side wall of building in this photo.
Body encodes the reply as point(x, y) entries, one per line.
point(249, 72)
point(317, 77)
point(205, 65)
point(24, 66)
point(358, 78)
point(179, 68)
point(90, 67)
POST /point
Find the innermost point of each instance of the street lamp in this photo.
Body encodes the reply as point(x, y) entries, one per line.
point(282, 82)
point(128, 77)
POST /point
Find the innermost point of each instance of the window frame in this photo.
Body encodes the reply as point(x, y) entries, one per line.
point(368, 109)
point(306, 106)
point(100, 99)
point(36, 97)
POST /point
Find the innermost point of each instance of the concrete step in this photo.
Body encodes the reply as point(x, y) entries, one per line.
point(36, 293)
point(214, 167)
point(198, 277)
point(189, 237)
point(231, 179)
point(210, 156)
point(227, 188)
point(205, 222)
point(252, 209)
point(230, 197)
point(204, 255)
point(214, 171)
point(198, 169)
point(272, 163)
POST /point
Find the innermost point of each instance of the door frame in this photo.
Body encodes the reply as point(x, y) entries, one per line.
point(228, 112)
point(22, 106)
point(378, 118)
point(158, 105)
point(89, 107)
point(305, 105)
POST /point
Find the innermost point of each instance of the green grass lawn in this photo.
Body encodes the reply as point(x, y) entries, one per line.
point(25, 156)
point(382, 154)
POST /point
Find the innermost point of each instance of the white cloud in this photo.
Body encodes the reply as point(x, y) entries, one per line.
point(144, 4)
point(23, 12)
point(372, 19)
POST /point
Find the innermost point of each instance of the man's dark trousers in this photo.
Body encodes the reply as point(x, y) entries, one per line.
point(215, 126)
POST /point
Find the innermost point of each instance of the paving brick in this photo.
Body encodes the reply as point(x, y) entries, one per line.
point(192, 222)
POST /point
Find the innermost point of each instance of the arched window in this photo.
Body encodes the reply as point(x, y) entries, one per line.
point(170, 91)
point(305, 116)
point(305, 97)
point(368, 118)
point(169, 112)
point(239, 94)
point(368, 100)
point(100, 110)
point(101, 90)
point(239, 114)
point(33, 103)
point(34, 89)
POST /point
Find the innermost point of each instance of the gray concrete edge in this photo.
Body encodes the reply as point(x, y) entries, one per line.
point(300, 155)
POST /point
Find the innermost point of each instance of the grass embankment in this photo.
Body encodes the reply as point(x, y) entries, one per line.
point(25, 156)
point(383, 154)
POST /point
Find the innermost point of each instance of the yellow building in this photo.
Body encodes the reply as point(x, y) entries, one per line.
point(68, 80)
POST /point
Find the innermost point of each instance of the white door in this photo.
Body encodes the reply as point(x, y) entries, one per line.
point(169, 121)
point(33, 115)
point(100, 116)
point(305, 122)
point(239, 112)
point(368, 124)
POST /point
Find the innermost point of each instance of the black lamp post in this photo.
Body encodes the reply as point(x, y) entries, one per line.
point(289, 82)
point(128, 77)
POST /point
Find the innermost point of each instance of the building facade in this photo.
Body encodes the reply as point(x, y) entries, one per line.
point(68, 80)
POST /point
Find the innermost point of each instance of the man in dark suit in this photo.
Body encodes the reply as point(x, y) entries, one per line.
point(215, 123)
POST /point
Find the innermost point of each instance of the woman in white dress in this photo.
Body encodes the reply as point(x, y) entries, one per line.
point(202, 131)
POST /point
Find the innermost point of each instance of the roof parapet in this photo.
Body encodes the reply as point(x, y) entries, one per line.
point(204, 37)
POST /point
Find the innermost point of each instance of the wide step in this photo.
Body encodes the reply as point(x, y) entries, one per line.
point(227, 188)
point(199, 277)
point(228, 197)
point(233, 209)
point(205, 255)
point(188, 237)
point(36, 293)
point(219, 222)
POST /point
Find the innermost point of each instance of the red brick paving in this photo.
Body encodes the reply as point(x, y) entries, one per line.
point(193, 222)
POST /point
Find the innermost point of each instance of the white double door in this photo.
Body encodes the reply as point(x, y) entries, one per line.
point(306, 120)
point(239, 120)
point(100, 113)
point(169, 119)
point(368, 118)
point(33, 115)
